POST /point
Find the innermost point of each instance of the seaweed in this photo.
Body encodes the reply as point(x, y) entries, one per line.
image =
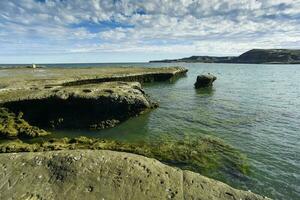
point(205, 155)
point(14, 126)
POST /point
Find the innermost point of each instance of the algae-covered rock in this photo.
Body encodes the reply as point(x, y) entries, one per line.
point(205, 81)
point(204, 154)
point(87, 174)
point(12, 126)
point(92, 106)
point(24, 78)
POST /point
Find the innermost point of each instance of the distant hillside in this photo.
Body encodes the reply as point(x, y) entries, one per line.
point(258, 56)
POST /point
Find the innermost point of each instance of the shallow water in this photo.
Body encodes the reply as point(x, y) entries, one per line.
point(255, 108)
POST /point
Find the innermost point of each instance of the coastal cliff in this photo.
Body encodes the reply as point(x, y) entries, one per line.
point(254, 56)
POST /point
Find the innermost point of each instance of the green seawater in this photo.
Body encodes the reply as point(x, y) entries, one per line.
point(254, 108)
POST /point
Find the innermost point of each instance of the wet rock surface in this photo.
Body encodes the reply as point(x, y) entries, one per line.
point(91, 106)
point(24, 78)
point(206, 155)
point(99, 174)
point(205, 81)
point(87, 98)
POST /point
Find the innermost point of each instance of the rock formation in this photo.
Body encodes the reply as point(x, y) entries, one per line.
point(90, 174)
point(92, 106)
point(205, 81)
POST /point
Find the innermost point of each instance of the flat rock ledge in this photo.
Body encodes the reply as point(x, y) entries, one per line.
point(92, 106)
point(24, 78)
point(101, 174)
point(83, 98)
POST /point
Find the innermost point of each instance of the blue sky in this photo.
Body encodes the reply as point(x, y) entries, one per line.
point(58, 31)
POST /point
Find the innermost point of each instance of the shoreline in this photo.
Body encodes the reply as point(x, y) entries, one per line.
point(79, 88)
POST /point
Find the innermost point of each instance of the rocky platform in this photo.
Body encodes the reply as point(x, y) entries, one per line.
point(89, 98)
point(90, 174)
point(20, 78)
point(90, 106)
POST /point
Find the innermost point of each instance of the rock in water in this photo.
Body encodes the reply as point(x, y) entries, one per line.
point(205, 81)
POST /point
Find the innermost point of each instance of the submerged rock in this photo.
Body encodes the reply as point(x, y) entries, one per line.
point(98, 174)
point(92, 106)
point(205, 81)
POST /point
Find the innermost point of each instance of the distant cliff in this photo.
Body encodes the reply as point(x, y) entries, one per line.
point(255, 56)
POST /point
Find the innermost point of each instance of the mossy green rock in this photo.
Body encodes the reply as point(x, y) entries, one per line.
point(204, 154)
point(13, 126)
point(109, 175)
point(89, 106)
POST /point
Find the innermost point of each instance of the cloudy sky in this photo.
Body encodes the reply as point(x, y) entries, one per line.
point(51, 31)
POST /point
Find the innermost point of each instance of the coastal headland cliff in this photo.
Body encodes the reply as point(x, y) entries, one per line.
point(254, 56)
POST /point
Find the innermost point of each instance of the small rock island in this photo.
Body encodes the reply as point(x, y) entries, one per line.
point(205, 81)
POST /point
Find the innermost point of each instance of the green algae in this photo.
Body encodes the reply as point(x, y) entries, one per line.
point(14, 126)
point(205, 155)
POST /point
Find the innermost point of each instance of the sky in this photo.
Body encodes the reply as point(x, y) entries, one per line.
point(71, 31)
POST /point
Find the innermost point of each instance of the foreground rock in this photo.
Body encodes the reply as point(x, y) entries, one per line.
point(205, 81)
point(92, 106)
point(87, 174)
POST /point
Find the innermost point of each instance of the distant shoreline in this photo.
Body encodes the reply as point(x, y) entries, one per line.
point(254, 56)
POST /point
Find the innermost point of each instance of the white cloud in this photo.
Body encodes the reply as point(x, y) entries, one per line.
point(173, 26)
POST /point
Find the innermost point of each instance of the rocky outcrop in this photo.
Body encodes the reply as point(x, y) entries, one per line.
point(93, 106)
point(24, 78)
point(205, 81)
point(135, 77)
point(87, 174)
point(93, 98)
